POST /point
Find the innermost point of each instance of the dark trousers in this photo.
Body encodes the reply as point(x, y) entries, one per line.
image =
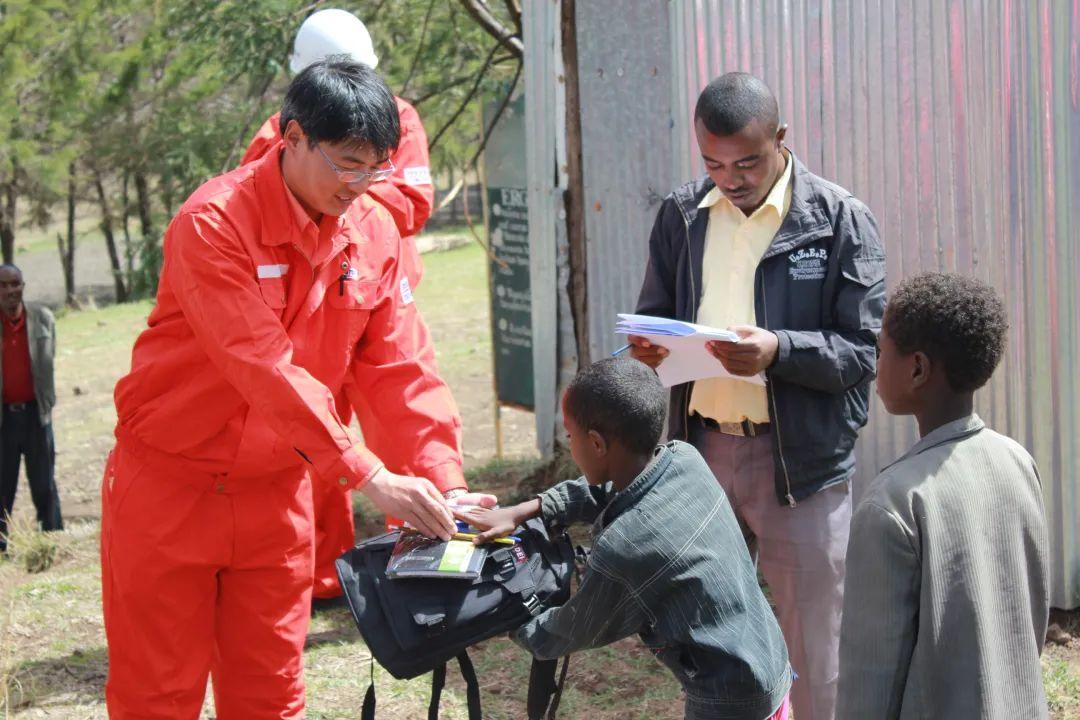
point(22, 434)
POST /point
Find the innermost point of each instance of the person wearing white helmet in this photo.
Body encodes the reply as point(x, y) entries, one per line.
point(332, 32)
point(409, 197)
point(409, 194)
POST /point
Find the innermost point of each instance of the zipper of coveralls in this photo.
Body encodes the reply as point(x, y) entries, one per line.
point(772, 398)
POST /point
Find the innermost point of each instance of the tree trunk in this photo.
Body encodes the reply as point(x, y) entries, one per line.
point(110, 239)
point(574, 197)
point(142, 197)
point(129, 252)
point(67, 254)
point(7, 215)
point(167, 194)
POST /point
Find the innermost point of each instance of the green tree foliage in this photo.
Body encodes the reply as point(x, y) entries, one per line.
point(149, 98)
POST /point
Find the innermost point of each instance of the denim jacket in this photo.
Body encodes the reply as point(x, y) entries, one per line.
point(820, 287)
point(669, 563)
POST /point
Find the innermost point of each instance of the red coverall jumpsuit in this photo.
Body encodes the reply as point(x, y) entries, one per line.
point(226, 419)
point(409, 196)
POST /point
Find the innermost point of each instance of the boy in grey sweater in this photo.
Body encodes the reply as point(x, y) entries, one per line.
point(946, 597)
point(668, 560)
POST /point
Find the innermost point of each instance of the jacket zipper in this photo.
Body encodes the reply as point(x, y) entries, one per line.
point(772, 402)
point(693, 316)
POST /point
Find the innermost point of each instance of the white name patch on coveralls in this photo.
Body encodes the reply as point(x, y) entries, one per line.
point(419, 175)
point(272, 271)
point(406, 291)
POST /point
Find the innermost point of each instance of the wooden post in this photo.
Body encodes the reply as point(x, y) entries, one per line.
point(574, 197)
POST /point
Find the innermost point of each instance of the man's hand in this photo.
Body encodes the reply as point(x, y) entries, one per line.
point(415, 500)
point(644, 351)
point(755, 351)
point(497, 522)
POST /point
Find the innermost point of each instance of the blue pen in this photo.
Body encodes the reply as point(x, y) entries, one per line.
point(621, 350)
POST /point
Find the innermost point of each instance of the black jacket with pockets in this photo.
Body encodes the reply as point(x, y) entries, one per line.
point(820, 286)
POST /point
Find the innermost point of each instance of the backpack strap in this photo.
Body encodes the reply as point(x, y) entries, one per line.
point(523, 584)
point(472, 685)
point(367, 712)
point(472, 688)
point(438, 680)
point(557, 695)
point(544, 692)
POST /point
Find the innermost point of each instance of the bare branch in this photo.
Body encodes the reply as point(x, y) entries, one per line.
point(245, 131)
point(419, 49)
point(478, 79)
point(450, 84)
point(482, 14)
point(472, 163)
point(514, 8)
point(498, 114)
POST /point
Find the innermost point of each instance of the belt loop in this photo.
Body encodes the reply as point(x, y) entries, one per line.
point(747, 427)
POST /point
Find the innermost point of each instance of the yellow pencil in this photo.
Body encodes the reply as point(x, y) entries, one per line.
point(472, 536)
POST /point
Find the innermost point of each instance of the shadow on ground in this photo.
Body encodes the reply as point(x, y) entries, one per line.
point(78, 678)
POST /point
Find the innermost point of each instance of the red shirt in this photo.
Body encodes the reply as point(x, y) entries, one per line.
point(18, 379)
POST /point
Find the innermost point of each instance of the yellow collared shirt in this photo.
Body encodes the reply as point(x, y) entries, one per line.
point(734, 245)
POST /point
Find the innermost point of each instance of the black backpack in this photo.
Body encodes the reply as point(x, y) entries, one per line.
point(415, 626)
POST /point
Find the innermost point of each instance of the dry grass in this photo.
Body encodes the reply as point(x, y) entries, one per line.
point(53, 659)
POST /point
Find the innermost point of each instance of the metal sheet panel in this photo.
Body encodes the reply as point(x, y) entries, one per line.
point(624, 70)
point(545, 133)
point(958, 123)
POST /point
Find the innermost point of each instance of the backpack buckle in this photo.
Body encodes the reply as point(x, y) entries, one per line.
point(433, 623)
point(532, 604)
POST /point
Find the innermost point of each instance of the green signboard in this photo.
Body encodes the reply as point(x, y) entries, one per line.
point(511, 301)
point(507, 208)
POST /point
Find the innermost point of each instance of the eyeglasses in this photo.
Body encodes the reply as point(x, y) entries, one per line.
point(354, 177)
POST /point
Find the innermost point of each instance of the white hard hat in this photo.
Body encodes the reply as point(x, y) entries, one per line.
point(331, 32)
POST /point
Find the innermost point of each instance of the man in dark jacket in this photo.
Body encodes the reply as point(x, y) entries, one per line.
point(794, 265)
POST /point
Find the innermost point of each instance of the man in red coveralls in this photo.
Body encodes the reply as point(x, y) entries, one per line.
point(282, 288)
point(409, 197)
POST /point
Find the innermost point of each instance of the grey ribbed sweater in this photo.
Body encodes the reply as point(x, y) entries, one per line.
point(946, 598)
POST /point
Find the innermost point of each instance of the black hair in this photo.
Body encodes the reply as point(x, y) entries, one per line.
point(732, 101)
point(622, 399)
point(955, 320)
point(340, 100)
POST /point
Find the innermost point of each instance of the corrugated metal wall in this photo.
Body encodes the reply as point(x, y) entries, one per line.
point(554, 355)
point(624, 65)
point(958, 123)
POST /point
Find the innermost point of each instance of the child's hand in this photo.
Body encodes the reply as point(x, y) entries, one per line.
point(494, 523)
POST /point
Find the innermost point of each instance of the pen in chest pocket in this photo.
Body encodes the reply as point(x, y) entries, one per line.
point(343, 277)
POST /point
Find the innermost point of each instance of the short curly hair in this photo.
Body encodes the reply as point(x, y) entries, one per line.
point(622, 399)
point(957, 321)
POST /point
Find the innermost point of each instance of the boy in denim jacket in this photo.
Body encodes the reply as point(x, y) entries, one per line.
point(668, 560)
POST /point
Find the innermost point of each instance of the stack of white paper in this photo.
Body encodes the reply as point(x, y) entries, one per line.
point(689, 359)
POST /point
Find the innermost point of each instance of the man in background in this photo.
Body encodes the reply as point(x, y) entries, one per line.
point(29, 396)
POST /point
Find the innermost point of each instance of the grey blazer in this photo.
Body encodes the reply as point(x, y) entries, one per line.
point(41, 337)
point(946, 598)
